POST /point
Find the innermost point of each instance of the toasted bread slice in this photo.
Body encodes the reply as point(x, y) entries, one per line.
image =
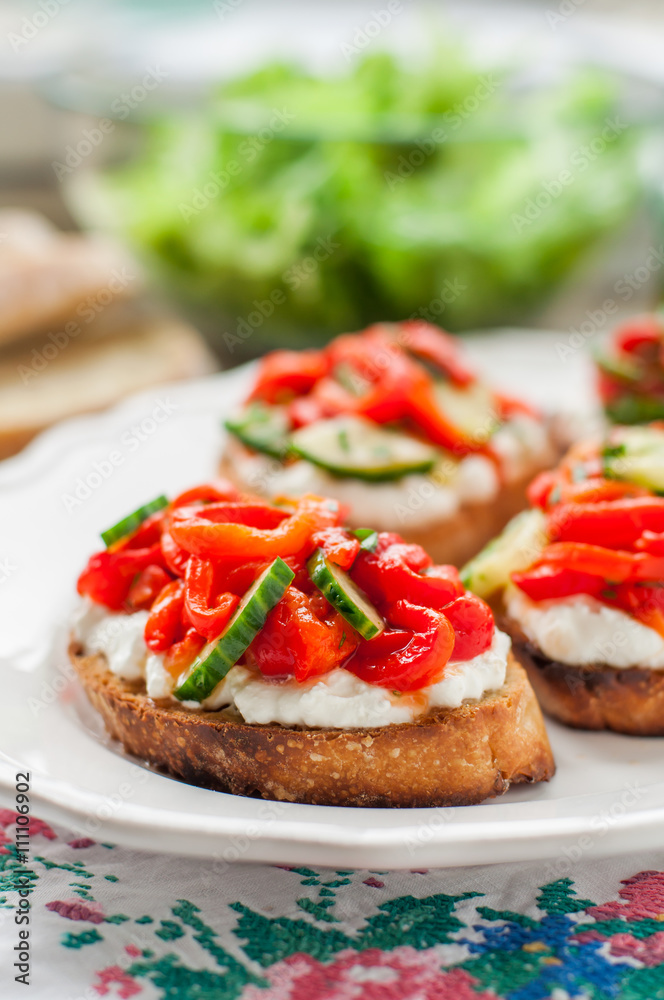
point(48, 277)
point(453, 539)
point(629, 701)
point(452, 757)
point(93, 371)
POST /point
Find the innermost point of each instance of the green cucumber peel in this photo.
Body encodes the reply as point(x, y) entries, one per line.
point(129, 524)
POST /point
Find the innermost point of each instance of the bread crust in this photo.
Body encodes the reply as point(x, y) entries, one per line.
point(629, 701)
point(453, 539)
point(453, 757)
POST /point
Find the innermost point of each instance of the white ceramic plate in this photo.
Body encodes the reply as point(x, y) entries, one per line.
point(608, 795)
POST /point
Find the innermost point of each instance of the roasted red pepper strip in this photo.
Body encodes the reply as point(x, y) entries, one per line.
point(339, 547)
point(510, 406)
point(146, 535)
point(283, 374)
point(642, 331)
point(208, 618)
point(615, 524)
point(473, 624)
point(305, 410)
point(426, 413)
point(182, 654)
point(195, 531)
point(652, 542)
point(164, 625)
point(644, 602)
point(394, 571)
point(146, 588)
point(217, 491)
point(175, 556)
point(296, 642)
point(409, 656)
point(389, 387)
point(109, 574)
point(613, 565)
point(550, 583)
point(438, 347)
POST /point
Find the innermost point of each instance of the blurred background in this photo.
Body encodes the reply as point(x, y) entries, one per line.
point(186, 185)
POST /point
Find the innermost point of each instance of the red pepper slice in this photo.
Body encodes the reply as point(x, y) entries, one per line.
point(339, 547)
point(541, 488)
point(164, 626)
point(645, 603)
point(296, 642)
point(385, 398)
point(218, 490)
point(198, 531)
point(596, 489)
point(651, 541)
point(613, 565)
point(437, 346)
point(305, 410)
point(109, 574)
point(410, 656)
point(182, 653)
point(175, 556)
point(146, 535)
point(615, 524)
point(146, 587)
point(398, 570)
point(426, 413)
point(284, 374)
point(208, 618)
point(639, 333)
point(473, 624)
point(550, 583)
point(510, 406)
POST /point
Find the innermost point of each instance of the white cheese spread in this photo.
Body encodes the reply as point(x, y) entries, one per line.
point(522, 442)
point(338, 699)
point(580, 631)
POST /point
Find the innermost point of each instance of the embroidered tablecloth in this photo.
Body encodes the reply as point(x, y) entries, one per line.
point(105, 921)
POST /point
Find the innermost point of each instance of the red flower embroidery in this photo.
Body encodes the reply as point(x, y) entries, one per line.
point(402, 974)
point(74, 909)
point(644, 893)
point(114, 974)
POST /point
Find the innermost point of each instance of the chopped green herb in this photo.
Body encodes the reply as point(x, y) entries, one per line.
point(343, 639)
point(344, 443)
point(609, 595)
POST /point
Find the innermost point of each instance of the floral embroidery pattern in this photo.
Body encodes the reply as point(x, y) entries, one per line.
point(317, 946)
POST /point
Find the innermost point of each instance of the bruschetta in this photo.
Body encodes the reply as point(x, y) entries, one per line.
point(270, 650)
point(578, 583)
point(395, 424)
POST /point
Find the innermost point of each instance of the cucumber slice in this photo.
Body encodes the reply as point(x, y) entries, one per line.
point(617, 367)
point(345, 596)
point(263, 428)
point(471, 409)
point(368, 538)
point(217, 658)
point(635, 408)
point(353, 446)
point(636, 455)
point(133, 521)
point(517, 547)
